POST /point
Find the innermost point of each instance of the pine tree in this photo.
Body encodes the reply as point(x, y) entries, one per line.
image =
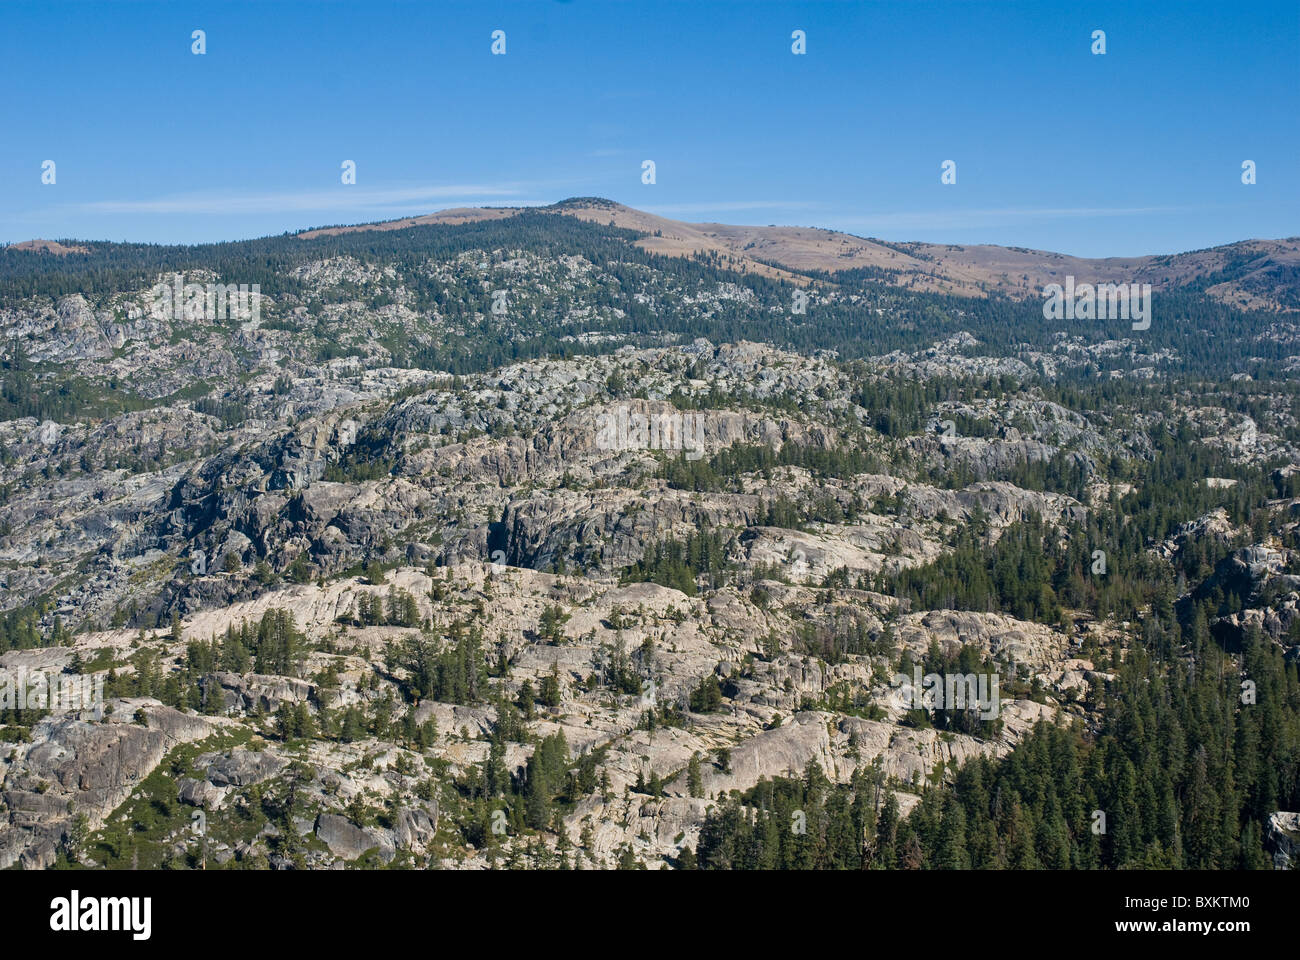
point(694, 777)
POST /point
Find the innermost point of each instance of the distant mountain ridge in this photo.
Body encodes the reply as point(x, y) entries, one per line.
point(1254, 274)
point(1257, 274)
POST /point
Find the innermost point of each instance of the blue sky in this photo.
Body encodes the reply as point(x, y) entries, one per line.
point(1137, 151)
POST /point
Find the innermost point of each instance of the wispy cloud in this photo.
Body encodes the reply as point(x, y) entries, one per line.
point(724, 206)
point(993, 217)
point(338, 198)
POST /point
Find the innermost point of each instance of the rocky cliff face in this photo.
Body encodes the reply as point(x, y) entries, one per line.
point(83, 766)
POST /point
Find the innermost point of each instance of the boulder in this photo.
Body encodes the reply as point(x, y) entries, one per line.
point(345, 839)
